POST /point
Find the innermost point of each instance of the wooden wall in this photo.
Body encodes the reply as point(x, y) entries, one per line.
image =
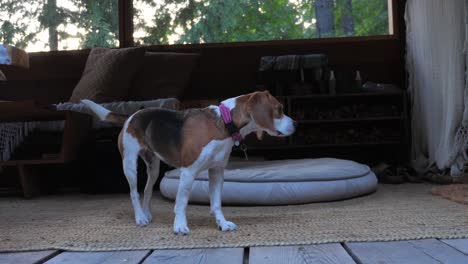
point(223, 70)
point(229, 71)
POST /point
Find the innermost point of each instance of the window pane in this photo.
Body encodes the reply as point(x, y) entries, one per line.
point(43, 25)
point(217, 21)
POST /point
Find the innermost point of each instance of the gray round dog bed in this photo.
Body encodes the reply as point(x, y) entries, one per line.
point(282, 182)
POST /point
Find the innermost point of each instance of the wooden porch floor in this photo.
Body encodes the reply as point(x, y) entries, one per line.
point(425, 251)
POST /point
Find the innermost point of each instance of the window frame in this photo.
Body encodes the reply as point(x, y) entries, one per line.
point(126, 32)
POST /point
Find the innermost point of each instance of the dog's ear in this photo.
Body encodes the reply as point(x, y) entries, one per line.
point(261, 110)
point(259, 134)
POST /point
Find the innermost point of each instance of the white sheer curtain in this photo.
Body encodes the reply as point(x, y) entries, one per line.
point(436, 65)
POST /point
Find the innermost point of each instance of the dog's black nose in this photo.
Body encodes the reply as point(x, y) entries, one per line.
point(295, 124)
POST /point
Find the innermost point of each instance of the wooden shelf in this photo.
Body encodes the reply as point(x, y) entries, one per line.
point(75, 129)
point(25, 114)
point(352, 120)
point(389, 127)
point(327, 145)
point(32, 162)
point(344, 95)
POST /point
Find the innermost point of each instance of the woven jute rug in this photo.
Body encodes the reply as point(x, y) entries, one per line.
point(105, 222)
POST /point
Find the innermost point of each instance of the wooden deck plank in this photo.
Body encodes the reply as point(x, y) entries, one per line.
point(26, 257)
point(394, 252)
point(459, 244)
point(189, 256)
point(324, 253)
point(108, 257)
point(439, 251)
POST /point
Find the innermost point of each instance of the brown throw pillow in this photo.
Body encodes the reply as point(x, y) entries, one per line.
point(108, 74)
point(163, 75)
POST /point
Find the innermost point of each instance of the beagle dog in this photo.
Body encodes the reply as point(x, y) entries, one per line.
point(192, 140)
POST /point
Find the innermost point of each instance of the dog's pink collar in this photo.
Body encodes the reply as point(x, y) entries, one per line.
point(231, 127)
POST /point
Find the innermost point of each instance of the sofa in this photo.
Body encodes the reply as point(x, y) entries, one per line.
point(124, 80)
point(146, 77)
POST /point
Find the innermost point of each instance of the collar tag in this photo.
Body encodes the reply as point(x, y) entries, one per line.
point(243, 147)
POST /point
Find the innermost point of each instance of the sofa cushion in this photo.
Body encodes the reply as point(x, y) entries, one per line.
point(108, 74)
point(164, 74)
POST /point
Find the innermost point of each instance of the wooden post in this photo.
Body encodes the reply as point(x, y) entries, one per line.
point(391, 26)
point(28, 179)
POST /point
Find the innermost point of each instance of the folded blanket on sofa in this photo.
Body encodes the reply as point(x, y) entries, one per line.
point(124, 107)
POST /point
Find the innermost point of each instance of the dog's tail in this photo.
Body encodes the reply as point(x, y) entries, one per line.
point(105, 114)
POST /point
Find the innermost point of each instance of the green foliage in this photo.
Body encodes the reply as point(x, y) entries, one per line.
point(371, 17)
point(220, 21)
point(51, 16)
point(244, 20)
point(162, 18)
point(13, 27)
point(344, 19)
point(99, 18)
point(101, 23)
point(186, 21)
point(225, 21)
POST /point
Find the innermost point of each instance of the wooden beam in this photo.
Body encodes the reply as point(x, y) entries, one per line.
point(125, 23)
point(391, 18)
point(74, 134)
point(28, 180)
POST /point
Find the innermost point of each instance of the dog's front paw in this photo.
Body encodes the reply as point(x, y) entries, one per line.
point(181, 230)
point(142, 219)
point(227, 226)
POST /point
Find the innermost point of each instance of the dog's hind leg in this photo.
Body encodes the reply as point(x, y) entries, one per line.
point(130, 149)
point(152, 170)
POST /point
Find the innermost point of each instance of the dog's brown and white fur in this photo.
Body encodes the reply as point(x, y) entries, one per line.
point(192, 140)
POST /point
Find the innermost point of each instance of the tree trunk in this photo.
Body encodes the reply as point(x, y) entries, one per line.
point(325, 18)
point(53, 34)
point(53, 39)
point(347, 22)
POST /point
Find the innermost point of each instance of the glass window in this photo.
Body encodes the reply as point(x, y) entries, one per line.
point(218, 21)
point(43, 25)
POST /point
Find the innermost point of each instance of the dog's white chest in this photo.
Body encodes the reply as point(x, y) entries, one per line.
point(214, 154)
